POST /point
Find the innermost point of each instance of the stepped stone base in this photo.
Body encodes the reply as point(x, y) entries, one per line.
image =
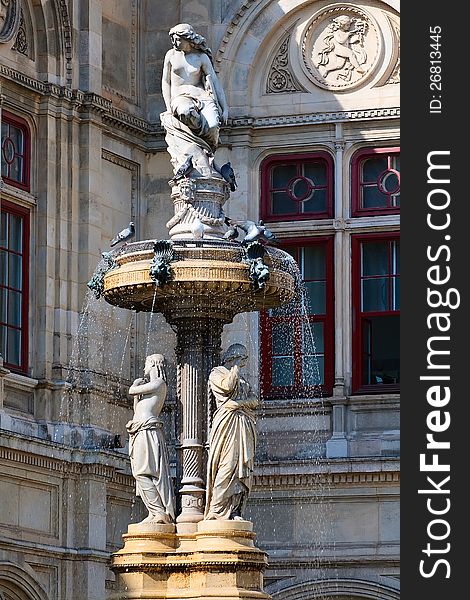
point(217, 561)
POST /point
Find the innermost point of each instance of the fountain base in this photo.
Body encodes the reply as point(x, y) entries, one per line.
point(217, 561)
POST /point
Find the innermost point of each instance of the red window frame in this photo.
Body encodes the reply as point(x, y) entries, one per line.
point(299, 390)
point(295, 159)
point(15, 121)
point(356, 164)
point(14, 209)
point(359, 315)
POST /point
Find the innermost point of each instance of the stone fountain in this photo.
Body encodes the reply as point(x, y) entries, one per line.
point(199, 279)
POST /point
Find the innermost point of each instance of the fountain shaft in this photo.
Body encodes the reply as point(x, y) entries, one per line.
point(198, 350)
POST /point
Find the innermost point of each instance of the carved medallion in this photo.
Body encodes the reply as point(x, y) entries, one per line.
point(9, 19)
point(340, 47)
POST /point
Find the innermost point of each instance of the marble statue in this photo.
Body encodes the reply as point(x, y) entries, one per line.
point(232, 439)
point(195, 101)
point(147, 448)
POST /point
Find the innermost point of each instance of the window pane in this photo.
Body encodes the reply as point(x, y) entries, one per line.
point(281, 175)
point(16, 233)
point(17, 138)
point(3, 305)
point(375, 294)
point(313, 262)
point(283, 339)
point(282, 371)
point(395, 257)
point(381, 350)
point(282, 204)
point(4, 168)
point(313, 342)
point(317, 202)
point(316, 172)
point(373, 167)
point(3, 268)
point(16, 169)
point(14, 271)
point(372, 197)
point(13, 350)
point(316, 297)
point(313, 370)
point(3, 230)
point(375, 258)
point(3, 342)
point(14, 308)
point(396, 293)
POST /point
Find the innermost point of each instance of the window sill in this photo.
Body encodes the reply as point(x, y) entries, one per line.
point(23, 197)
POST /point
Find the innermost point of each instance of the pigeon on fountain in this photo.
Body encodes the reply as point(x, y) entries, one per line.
point(232, 231)
point(227, 173)
point(256, 232)
point(183, 170)
point(124, 235)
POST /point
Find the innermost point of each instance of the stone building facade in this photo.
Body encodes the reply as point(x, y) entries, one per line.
point(313, 136)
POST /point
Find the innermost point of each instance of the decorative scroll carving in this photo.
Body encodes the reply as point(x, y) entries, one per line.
point(280, 78)
point(21, 44)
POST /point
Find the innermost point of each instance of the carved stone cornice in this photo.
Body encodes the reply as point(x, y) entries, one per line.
point(280, 481)
point(326, 117)
point(73, 464)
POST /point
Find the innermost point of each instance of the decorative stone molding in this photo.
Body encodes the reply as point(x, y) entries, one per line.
point(340, 47)
point(74, 465)
point(22, 43)
point(328, 117)
point(281, 78)
point(313, 480)
point(339, 588)
point(245, 5)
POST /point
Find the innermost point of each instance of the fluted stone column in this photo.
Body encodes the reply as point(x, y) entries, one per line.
point(197, 351)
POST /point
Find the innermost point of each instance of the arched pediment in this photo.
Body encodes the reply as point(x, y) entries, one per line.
point(17, 583)
point(279, 47)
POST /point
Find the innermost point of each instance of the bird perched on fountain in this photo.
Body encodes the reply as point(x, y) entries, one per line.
point(124, 235)
point(256, 232)
point(183, 170)
point(232, 231)
point(227, 173)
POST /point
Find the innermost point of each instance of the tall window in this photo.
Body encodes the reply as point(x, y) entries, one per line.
point(297, 186)
point(376, 305)
point(376, 181)
point(297, 340)
point(14, 250)
point(15, 155)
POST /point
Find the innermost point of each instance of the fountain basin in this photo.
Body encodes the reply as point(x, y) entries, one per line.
point(210, 276)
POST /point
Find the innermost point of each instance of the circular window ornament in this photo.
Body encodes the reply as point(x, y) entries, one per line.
point(341, 47)
point(300, 189)
point(9, 19)
point(8, 150)
point(388, 182)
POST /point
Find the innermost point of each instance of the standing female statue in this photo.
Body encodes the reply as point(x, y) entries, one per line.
point(195, 101)
point(147, 448)
point(232, 440)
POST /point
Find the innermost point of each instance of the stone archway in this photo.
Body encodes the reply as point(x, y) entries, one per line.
point(337, 589)
point(18, 584)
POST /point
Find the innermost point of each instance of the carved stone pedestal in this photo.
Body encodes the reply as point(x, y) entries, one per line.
point(218, 561)
point(198, 208)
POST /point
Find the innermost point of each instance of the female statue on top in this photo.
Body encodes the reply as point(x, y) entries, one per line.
point(195, 101)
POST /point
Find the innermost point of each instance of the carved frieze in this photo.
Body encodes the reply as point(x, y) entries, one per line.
point(340, 47)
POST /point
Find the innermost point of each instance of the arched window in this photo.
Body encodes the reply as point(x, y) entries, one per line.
point(376, 182)
point(16, 151)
